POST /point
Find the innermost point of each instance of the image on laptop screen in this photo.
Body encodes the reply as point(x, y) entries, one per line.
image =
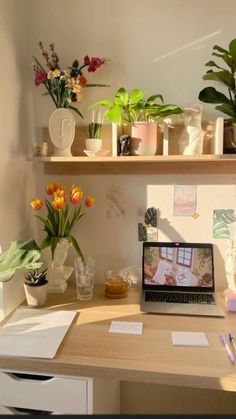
point(177, 265)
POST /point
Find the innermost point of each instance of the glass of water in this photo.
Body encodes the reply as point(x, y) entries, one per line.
point(84, 278)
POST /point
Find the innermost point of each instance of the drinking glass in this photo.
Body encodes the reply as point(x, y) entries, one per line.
point(116, 284)
point(84, 278)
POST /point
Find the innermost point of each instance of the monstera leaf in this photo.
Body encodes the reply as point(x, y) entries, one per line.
point(20, 256)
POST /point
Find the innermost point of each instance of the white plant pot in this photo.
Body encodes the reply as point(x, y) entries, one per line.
point(93, 144)
point(36, 295)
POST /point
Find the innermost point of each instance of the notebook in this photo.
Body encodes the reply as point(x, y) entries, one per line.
point(178, 278)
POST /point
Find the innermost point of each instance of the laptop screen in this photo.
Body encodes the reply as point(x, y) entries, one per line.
point(179, 266)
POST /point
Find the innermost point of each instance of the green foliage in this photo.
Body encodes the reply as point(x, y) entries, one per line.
point(133, 107)
point(95, 130)
point(225, 75)
point(19, 257)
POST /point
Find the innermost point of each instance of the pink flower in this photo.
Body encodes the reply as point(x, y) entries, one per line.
point(40, 76)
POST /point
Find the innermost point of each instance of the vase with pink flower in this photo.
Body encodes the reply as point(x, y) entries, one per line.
point(62, 215)
point(65, 87)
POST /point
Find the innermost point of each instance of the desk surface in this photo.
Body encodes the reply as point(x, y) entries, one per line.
point(88, 349)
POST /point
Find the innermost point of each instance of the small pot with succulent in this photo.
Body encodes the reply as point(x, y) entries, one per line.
point(24, 256)
point(94, 140)
point(224, 74)
point(35, 287)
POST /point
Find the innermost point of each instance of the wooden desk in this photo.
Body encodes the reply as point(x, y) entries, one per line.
point(89, 350)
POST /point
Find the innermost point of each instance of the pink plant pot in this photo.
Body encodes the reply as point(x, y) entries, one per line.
point(144, 138)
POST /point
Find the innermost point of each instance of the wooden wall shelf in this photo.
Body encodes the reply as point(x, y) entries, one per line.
point(206, 163)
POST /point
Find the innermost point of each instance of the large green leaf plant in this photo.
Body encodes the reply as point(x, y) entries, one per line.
point(132, 107)
point(224, 74)
point(21, 256)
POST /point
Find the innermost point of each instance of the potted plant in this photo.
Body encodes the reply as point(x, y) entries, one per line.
point(35, 286)
point(141, 114)
point(25, 257)
point(21, 256)
point(224, 74)
point(94, 140)
point(64, 209)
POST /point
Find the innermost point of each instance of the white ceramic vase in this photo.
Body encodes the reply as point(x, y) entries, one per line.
point(62, 132)
point(36, 295)
point(58, 273)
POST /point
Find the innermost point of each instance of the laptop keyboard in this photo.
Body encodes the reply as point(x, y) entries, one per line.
point(179, 297)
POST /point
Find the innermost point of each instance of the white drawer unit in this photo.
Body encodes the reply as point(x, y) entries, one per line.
point(62, 395)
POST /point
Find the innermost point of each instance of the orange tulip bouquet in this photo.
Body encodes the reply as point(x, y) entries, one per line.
point(61, 216)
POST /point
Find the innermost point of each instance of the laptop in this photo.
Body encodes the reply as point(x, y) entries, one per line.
point(178, 278)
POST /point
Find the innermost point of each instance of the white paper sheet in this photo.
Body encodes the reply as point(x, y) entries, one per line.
point(189, 339)
point(133, 328)
point(34, 332)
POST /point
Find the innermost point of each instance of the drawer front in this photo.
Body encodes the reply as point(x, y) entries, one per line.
point(57, 394)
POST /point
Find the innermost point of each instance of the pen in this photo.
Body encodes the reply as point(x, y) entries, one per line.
point(231, 339)
point(228, 350)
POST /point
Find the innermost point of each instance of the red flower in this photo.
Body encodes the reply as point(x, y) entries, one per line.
point(58, 202)
point(36, 204)
point(76, 194)
point(95, 63)
point(82, 80)
point(54, 187)
point(89, 201)
point(86, 60)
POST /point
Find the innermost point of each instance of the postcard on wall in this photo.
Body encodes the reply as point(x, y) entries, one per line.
point(185, 197)
point(115, 201)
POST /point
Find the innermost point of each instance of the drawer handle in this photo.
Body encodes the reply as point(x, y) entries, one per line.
point(30, 376)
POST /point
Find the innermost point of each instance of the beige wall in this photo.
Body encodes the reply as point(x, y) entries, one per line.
point(160, 47)
point(16, 122)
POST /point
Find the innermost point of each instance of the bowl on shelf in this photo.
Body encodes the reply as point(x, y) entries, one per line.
point(96, 153)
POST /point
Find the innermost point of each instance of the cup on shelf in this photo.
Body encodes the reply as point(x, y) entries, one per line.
point(41, 149)
point(116, 284)
point(84, 278)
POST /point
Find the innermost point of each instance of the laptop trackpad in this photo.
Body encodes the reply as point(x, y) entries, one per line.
point(182, 308)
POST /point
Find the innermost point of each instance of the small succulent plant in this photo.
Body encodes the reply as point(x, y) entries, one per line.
point(36, 278)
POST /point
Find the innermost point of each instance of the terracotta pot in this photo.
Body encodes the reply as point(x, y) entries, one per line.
point(36, 295)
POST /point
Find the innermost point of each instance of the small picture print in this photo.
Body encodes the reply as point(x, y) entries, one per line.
point(224, 224)
point(184, 200)
point(115, 201)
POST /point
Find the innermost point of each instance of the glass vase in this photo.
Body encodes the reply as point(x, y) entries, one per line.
point(58, 272)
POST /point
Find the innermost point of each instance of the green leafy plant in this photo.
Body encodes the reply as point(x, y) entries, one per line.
point(133, 107)
point(19, 257)
point(35, 278)
point(223, 74)
point(95, 129)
